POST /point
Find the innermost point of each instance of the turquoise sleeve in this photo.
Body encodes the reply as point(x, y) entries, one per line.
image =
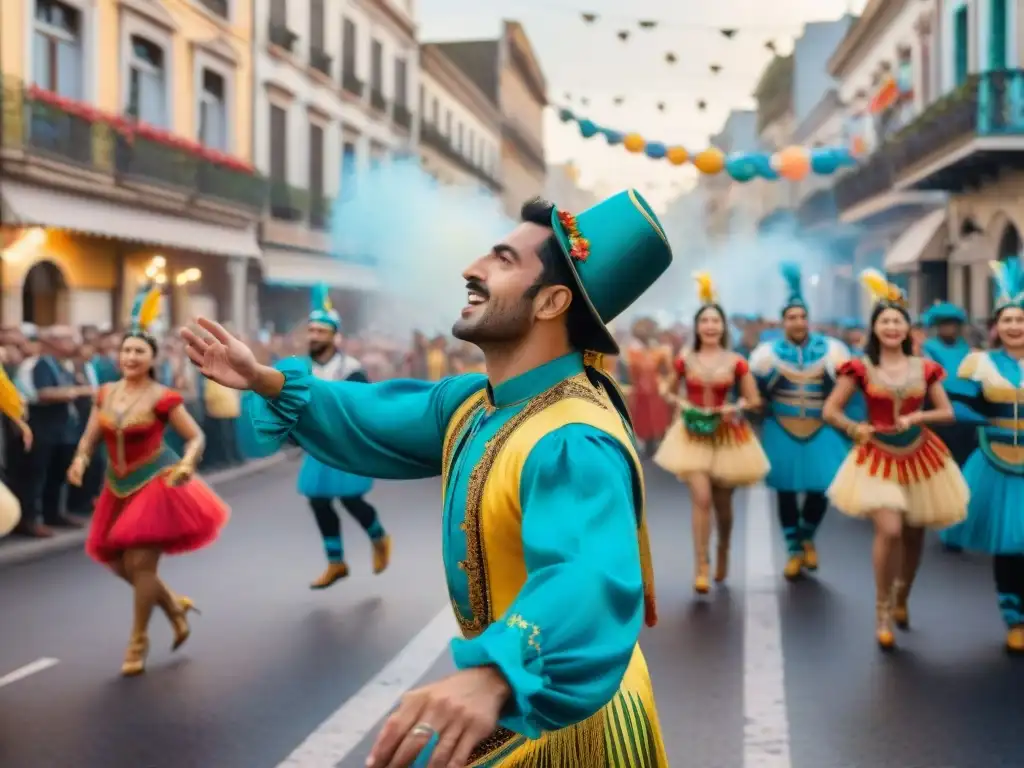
point(394, 429)
point(565, 643)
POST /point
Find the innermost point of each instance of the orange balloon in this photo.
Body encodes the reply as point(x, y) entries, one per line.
point(634, 142)
point(677, 155)
point(793, 163)
point(710, 161)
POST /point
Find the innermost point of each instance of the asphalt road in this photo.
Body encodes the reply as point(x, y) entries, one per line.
point(269, 660)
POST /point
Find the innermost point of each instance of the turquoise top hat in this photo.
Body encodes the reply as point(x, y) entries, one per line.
point(1009, 277)
point(617, 249)
point(943, 312)
point(794, 283)
point(322, 312)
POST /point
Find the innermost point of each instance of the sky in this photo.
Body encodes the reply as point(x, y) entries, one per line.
point(588, 60)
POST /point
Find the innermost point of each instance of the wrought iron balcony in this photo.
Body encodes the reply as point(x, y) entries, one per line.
point(873, 177)
point(351, 83)
point(288, 203)
point(282, 37)
point(41, 126)
point(403, 117)
point(320, 208)
point(320, 61)
point(377, 100)
point(432, 137)
point(951, 145)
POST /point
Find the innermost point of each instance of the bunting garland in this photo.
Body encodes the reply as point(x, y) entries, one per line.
point(793, 163)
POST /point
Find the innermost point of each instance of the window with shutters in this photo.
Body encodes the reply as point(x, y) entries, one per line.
point(278, 144)
point(318, 213)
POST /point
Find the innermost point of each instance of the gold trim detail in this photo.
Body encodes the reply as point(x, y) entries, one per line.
point(456, 426)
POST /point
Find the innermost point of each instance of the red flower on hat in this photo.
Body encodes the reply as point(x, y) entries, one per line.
point(579, 246)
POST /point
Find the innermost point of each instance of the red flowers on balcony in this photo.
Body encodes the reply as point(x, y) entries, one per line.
point(131, 129)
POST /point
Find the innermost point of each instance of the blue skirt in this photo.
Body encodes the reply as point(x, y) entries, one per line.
point(995, 516)
point(319, 481)
point(802, 465)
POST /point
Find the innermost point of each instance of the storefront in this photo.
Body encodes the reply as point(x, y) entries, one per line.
point(77, 260)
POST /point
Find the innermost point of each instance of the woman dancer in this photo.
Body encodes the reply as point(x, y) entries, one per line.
point(710, 446)
point(899, 473)
point(151, 504)
point(12, 407)
point(995, 471)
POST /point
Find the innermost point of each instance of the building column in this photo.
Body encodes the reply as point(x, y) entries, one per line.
point(238, 279)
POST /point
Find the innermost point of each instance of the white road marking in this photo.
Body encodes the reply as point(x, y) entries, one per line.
point(27, 671)
point(336, 737)
point(766, 721)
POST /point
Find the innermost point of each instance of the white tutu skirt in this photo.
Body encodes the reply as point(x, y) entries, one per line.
point(919, 478)
point(732, 456)
point(10, 510)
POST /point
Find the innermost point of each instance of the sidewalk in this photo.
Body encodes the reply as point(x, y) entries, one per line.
point(15, 549)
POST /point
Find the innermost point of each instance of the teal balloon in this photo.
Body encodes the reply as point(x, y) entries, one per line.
point(740, 168)
point(655, 150)
point(613, 138)
point(844, 157)
point(762, 164)
point(566, 115)
point(588, 129)
point(824, 161)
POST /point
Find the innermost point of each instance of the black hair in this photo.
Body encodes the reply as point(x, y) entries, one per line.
point(873, 347)
point(556, 270)
point(725, 325)
point(794, 305)
point(136, 333)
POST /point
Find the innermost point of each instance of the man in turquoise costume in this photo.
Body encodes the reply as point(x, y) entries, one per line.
point(796, 374)
point(545, 542)
point(321, 483)
point(948, 348)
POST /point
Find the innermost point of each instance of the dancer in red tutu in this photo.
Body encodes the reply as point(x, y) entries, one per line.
point(151, 504)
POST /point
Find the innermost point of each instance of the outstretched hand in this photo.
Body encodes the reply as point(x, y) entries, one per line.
point(220, 356)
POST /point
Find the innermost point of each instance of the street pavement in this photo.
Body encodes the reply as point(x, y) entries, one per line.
point(760, 673)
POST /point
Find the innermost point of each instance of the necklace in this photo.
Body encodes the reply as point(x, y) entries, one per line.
point(121, 398)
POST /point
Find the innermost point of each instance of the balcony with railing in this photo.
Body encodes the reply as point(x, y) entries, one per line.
point(280, 36)
point(320, 208)
point(403, 117)
point(320, 61)
point(871, 178)
point(377, 100)
point(350, 83)
point(965, 137)
point(82, 147)
point(431, 136)
point(288, 203)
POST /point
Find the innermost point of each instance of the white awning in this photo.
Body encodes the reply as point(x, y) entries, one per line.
point(913, 245)
point(42, 207)
point(301, 270)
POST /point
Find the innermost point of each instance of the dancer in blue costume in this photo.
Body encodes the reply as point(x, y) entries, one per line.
point(948, 348)
point(544, 543)
point(322, 484)
point(796, 374)
point(995, 471)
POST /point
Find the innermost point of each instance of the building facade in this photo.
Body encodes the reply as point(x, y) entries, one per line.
point(731, 208)
point(460, 127)
point(507, 71)
point(126, 140)
point(885, 66)
point(333, 98)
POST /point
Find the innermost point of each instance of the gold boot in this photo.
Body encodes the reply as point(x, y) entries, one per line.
point(1015, 640)
point(722, 562)
point(900, 613)
point(135, 657)
point(883, 626)
point(179, 621)
point(810, 556)
point(332, 573)
point(381, 553)
point(794, 567)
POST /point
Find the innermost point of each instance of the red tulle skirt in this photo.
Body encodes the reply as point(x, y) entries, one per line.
point(157, 516)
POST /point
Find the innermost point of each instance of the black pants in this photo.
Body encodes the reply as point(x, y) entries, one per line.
point(329, 523)
point(81, 499)
point(221, 444)
point(1009, 575)
point(46, 467)
point(800, 524)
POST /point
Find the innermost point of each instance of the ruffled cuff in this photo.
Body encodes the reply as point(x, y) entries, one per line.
point(508, 649)
point(266, 424)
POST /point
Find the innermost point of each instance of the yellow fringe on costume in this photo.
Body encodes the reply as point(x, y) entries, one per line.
point(921, 480)
point(625, 733)
point(732, 456)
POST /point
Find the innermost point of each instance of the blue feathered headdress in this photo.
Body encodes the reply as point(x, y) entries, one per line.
point(146, 307)
point(322, 312)
point(1009, 278)
point(794, 284)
